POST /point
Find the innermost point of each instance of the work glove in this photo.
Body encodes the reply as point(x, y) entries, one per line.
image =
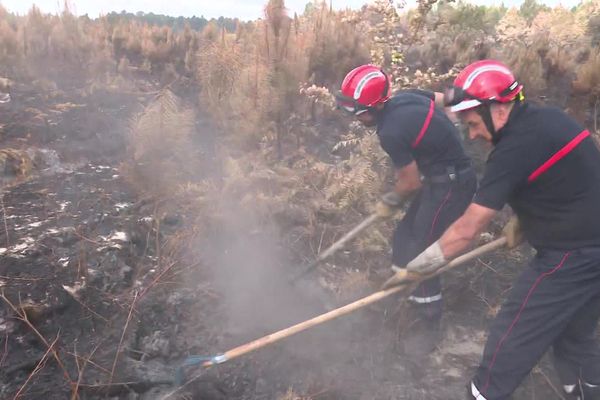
point(429, 261)
point(512, 232)
point(389, 204)
point(425, 263)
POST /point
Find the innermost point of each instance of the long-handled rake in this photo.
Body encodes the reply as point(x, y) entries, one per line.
point(370, 220)
point(405, 283)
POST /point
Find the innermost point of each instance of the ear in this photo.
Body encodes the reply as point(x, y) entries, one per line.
point(506, 109)
point(501, 110)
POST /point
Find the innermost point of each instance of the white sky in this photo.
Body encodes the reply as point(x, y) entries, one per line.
point(243, 9)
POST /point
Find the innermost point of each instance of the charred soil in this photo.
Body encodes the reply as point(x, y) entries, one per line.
point(106, 290)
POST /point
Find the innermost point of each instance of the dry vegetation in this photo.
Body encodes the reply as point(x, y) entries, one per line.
point(267, 85)
point(283, 151)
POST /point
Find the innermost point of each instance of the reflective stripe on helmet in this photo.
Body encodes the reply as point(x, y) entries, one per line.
point(478, 71)
point(513, 86)
point(465, 105)
point(363, 82)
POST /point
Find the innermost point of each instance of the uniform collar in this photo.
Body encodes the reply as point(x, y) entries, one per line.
point(381, 114)
point(519, 108)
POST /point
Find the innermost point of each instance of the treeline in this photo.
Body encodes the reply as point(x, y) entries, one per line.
point(255, 76)
point(175, 23)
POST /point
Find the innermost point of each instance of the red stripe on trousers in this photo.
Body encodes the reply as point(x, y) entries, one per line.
point(514, 322)
point(558, 155)
point(425, 125)
point(434, 223)
point(437, 214)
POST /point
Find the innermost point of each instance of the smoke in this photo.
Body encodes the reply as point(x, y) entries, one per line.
point(251, 270)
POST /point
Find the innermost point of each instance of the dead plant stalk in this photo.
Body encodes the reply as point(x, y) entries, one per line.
point(156, 280)
point(547, 379)
point(114, 365)
point(4, 219)
point(22, 315)
point(89, 309)
point(88, 360)
point(40, 365)
point(80, 370)
point(5, 352)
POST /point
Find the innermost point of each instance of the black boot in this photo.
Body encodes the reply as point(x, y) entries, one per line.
point(572, 392)
point(582, 391)
point(589, 391)
point(424, 332)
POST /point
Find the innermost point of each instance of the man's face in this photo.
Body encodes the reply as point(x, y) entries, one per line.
point(475, 125)
point(367, 118)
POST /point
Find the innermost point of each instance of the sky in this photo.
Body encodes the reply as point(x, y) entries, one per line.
point(243, 9)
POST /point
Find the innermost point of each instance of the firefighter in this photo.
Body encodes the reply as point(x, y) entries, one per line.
point(432, 171)
point(547, 168)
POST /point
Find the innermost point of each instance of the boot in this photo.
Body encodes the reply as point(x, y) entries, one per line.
point(589, 391)
point(582, 391)
point(572, 392)
point(422, 339)
point(423, 335)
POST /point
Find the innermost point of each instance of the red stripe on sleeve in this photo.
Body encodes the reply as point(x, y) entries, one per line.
point(558, 155)
point(425, 125)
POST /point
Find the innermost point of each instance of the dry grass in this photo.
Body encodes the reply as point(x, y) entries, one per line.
point(16, 163)
point(160, 145)
point(263, 63)
point(268, 88)
point(123, 333)
point(22, 315)
point(39, 366)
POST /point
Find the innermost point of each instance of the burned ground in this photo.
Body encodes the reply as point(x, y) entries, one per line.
point(105, 290)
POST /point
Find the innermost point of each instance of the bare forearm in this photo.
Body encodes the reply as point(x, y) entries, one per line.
point(461, 233)
point(456, 240)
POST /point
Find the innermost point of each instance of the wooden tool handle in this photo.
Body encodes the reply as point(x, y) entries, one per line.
point(337, 245)
point(407, 283)
point(284, 333)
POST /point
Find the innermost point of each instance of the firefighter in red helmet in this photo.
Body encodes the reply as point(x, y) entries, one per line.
point(547, 168)
point(432, 170)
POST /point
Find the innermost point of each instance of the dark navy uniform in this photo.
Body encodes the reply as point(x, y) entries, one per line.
point(411, 128)
point(547, 168)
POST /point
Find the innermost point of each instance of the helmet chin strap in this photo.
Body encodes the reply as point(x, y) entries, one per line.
point(377, 113)
point(486, 115)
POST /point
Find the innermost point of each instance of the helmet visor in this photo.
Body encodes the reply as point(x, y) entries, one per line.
point(459, 100)
point(454, 95)
point(349, 105)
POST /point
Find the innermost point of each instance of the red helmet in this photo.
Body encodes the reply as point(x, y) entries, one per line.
point(363, 88)
point(482, 82)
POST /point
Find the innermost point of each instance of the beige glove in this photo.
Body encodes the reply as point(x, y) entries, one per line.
point(512, 232)
point(389, 204)
point(425, 263)
point(429, 261)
